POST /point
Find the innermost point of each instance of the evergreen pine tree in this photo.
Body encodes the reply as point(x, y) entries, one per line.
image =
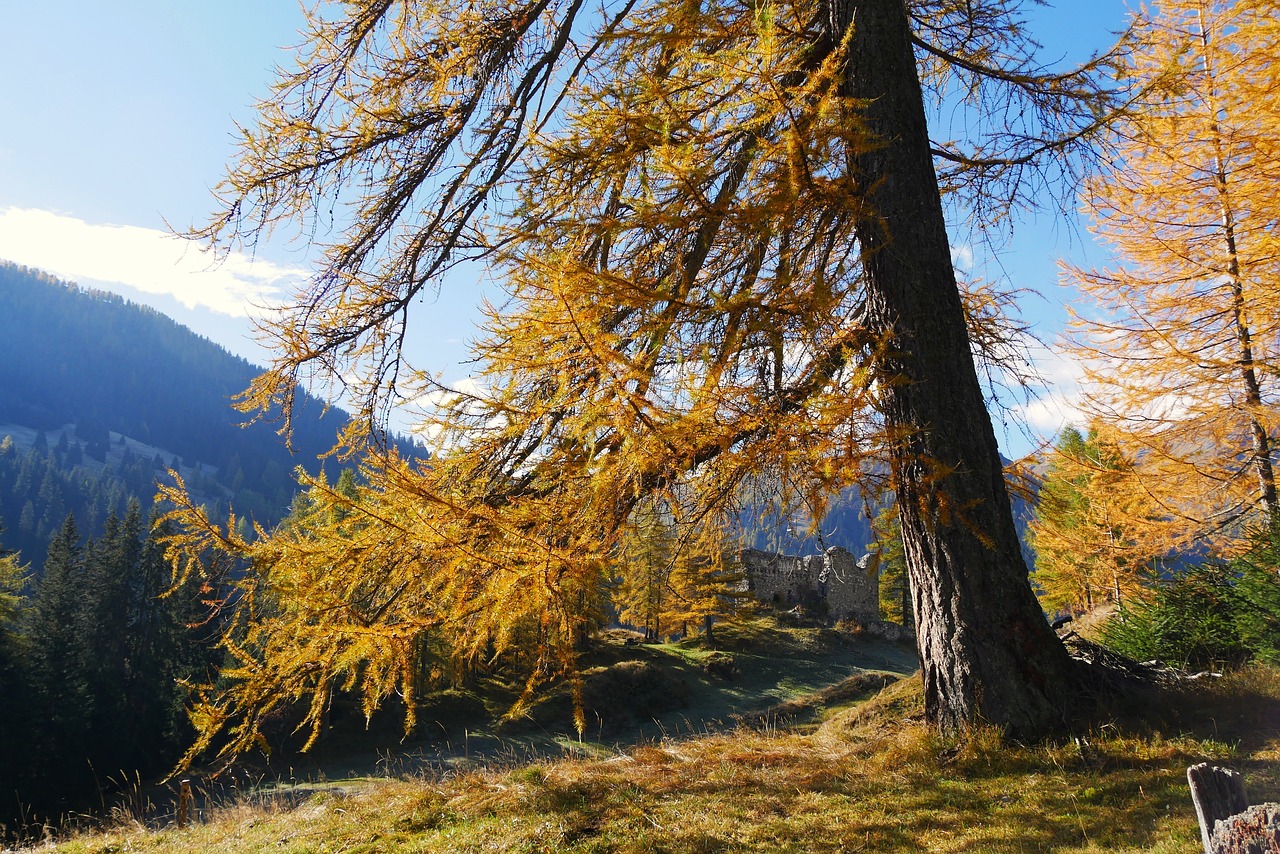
point(165, 646)
point(13, 688)
point(27, 519)
point(26, 475)
point(103, 627)
point(160, 650)
point(61, 698)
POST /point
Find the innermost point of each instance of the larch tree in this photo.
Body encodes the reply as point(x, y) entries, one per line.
point(14, 577)
point(706, 579)
point(895, 586)
point(675, 573)
point(720, 233)
point(646, 558)
point(1182, 342)
point(1097, 537)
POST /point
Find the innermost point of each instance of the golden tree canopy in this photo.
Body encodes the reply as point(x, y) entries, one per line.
point(1182, 340)
point(1097, 535)
point(669, 194)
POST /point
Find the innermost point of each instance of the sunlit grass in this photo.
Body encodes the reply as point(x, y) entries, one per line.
point(870, 778)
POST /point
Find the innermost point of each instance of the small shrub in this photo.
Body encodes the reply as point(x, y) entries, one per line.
point(722, 666)
point(1259, 589)
point(631, 691)
point(1210, 615)
point(850, 627)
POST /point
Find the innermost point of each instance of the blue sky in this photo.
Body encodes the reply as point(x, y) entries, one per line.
point(120, 117)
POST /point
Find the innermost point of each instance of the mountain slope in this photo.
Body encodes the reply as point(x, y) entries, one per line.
point(96, 388)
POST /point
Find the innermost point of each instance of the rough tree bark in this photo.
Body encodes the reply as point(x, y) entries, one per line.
point(986, 651)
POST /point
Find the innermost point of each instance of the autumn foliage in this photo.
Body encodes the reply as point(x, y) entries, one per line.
point(1097, 535)
point(1181, 336)
point(685, 207)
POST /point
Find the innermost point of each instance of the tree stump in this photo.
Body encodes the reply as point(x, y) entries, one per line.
point(1254, 831)
point(184, 803)
point(1228, 825)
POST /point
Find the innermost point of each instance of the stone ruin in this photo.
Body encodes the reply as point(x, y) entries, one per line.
point(851, 588)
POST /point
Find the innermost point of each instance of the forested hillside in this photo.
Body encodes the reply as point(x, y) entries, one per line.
point(99, 396)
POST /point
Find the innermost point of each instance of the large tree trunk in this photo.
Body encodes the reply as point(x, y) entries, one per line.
point(986, 651)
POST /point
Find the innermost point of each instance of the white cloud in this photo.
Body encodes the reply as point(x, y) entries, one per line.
point(962, 257)
point(420, 413)
point(1060, 403)
point(146, 259)
point(445, 395)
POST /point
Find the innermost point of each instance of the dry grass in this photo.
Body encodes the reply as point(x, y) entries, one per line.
point(871, 778)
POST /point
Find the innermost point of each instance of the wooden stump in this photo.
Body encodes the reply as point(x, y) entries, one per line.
point(1218, 793)
point(1254, 831)
point(1228, 825)
point(184, 803)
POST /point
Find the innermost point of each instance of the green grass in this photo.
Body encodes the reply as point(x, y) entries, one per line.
point(675, 695)
point(863, 775)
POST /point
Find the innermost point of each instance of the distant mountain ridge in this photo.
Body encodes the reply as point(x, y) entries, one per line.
point(100, 387)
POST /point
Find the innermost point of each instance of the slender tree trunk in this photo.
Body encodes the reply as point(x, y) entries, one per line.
point(1253, 401)
point(986, 650)
point(906, 600)
point(1248, 371)
point(1248, 374)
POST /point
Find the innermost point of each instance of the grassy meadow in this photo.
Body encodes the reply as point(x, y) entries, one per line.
point(848, 766)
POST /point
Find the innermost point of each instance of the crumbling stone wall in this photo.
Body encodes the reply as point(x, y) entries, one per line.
point(850, 588)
